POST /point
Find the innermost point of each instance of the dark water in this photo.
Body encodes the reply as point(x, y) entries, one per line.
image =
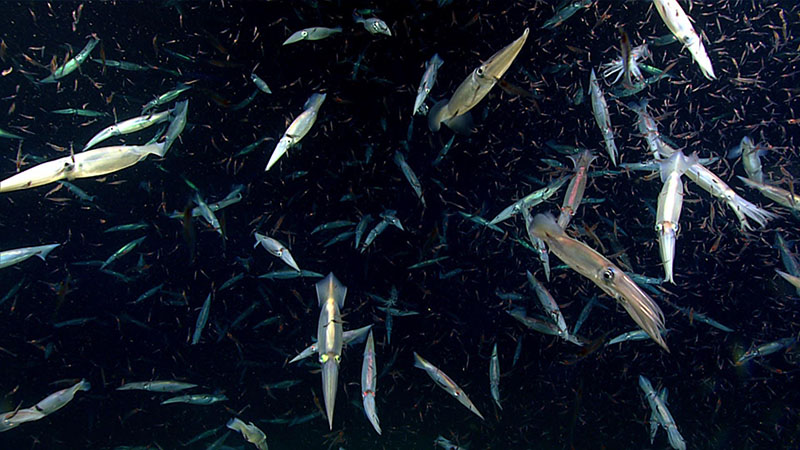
point(371, 84)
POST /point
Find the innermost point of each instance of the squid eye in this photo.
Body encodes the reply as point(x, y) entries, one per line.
point(304, 34)
point(608, 274)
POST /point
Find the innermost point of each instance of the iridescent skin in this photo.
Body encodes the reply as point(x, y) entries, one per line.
point(128, 126)
point(475, 87)
point(601, 116)
point(428, 80)
point(549, 304)
point(73, 64)
point(298, 128)
point(576, 188)
point(92, 163)
point(11, 257)
point(778, 195)
point(369, 379)
point(275, 248)
point(660, 414)
point(681, 26)
point(311, 34)
point(330, 294)
point(494, 377)
point(605, 274)
point(670, 202)
point(445, 383)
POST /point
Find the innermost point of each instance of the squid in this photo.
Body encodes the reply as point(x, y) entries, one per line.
point(605, 274)
point(453, 112)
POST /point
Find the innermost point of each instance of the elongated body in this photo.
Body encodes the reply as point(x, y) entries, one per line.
point(541, 326)
point(574, 194)
point(766, 349)
point(234, 197)
point(124, 250)
point(16, 256)
point(330, 295)
point(298, 128)
point(538, 244)
point(196, 399)
point(565, 13)
point(275, 248)
point(750, 159)
point(635, 335)
point(605, 274)
point(202, 319)
point(250, 432)
point(660, 415)
point(445, 382)
point(648, 128)
point(549, 305)
point(778, 195)
point(670, 201)
point(79, 112)
point(601, 116)
point(494, 376)
point(5, 134)
point(207, 214)
point(311, 34)
point(695, 316)
point(369, 380)
point(121, 65)
point(373, 234)
point(714, 185)
point(699, 174)
point(128, 126)
point(156, 386)
point(178, 117)
point(681, 26)
point(73, 64)
point(92, 163)
point(427, 82)
point(531, 200)
point(59, 399)
point(165, 97)
point(363, 223)
point(411, 177)
point(473, 89)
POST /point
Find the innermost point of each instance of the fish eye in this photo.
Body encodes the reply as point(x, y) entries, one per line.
point(304, 33)
point(608, 274)
point(479, 72)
